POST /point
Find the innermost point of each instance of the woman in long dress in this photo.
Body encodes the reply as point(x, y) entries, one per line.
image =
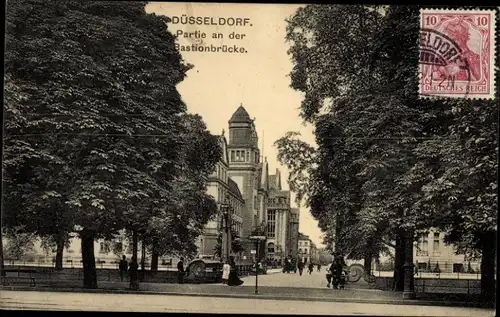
point(233, 280)
point(226, 269)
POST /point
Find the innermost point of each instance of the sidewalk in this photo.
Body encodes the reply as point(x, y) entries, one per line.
point(248, 291)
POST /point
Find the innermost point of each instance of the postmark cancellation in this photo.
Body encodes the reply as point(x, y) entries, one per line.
point(457, 53)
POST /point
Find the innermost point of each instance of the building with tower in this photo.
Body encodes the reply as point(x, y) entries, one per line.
point(243, 172)
point(249, 172)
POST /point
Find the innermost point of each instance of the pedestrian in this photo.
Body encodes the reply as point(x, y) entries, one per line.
point(180, 271)
point(329, 273)
point(133, 268)
point(337, 268)
point(122, 267)
point(319, 267)
point(226, 269)
point(233, 279)
point(301, 267)
point(311, 268)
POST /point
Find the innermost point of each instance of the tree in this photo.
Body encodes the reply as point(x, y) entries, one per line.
point(191, 207)
point(330, 69)
point(19, 243)
point(110, 104)
point(236, 243)
point(56, 243)
point(414, 161)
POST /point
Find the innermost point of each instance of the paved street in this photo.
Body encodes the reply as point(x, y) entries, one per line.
point(315, 280)
point(161, 303)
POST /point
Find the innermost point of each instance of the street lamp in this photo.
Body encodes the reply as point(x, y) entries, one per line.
point(225, 208)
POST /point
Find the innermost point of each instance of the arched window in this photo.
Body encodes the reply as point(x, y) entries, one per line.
point(270, 247)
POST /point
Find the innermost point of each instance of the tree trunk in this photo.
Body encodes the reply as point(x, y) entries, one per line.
point(154, 261)
point(409, 283)
point(88, 259)
point(368, 259)
point(488, 266)
point(399, 261)
point(338, 232)
point(2, 267)
point(134, 281)
point(59, 252)
point(143, 260)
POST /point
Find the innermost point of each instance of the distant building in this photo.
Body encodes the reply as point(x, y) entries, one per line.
point(430, 251)
point(305, 247)
point(279, 216)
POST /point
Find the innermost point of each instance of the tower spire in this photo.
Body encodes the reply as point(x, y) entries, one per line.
point(262, 152)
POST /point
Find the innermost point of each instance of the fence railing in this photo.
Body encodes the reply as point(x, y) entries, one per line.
point(75, 264)
point(430, 275)
point(468, 287)
point(437, 266)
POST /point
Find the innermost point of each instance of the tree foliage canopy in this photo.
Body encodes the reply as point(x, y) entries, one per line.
point(96, 133)
point(385, 158)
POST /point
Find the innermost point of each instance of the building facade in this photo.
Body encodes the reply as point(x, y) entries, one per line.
point(279, 238)
point(304, 248)
point(249, 172)
point(431, 254)
point(225, 191)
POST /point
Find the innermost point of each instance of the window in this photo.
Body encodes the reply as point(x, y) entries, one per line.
point(271, 223)
point(104, 248)
point(233, 156)
point(424, 245)
point(458, 268)
point(248, 156)
point(300, 250)
point(435, 245)
point(239, 156)
point(270, 248)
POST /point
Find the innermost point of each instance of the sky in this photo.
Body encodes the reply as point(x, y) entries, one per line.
point(258, 79)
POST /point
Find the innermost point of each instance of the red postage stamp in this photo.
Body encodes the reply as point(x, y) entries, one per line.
point(457, 53)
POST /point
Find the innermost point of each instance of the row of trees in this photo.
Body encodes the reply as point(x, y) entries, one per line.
point(388, 164)
point(97, 138)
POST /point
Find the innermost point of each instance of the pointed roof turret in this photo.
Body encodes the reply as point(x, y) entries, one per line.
point(264, 182)
point(240, 116)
